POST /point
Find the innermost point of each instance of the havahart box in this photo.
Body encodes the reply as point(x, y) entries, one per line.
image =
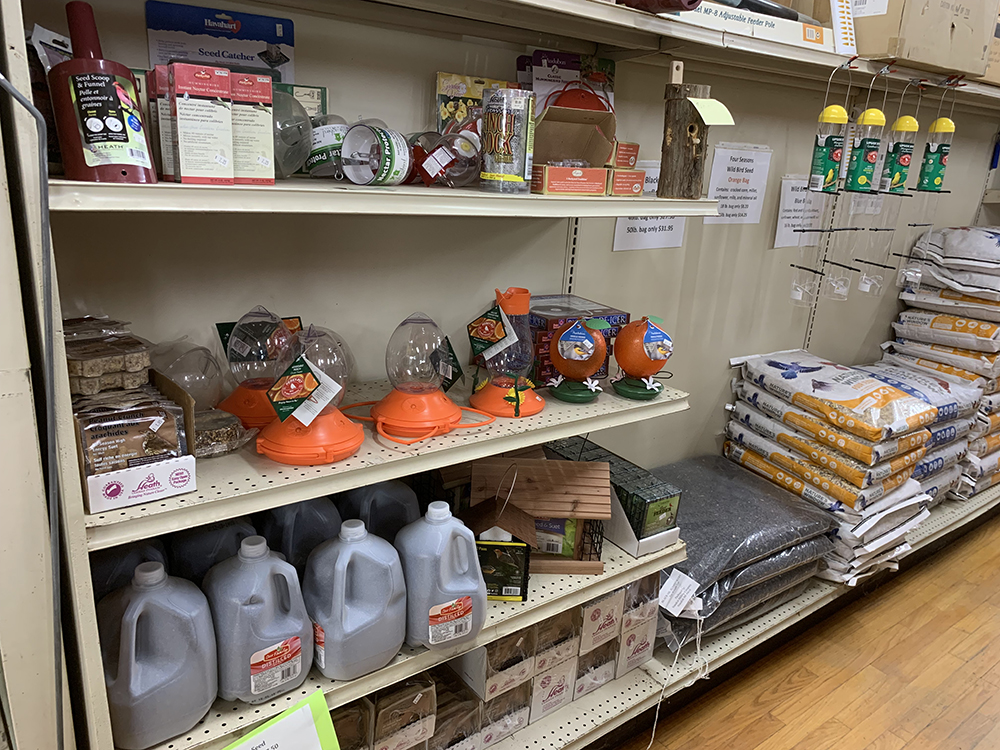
point(602, 620)
point(243, 42)
point(201, 109)
point(627, 182)
point(253, 129)
point(553, 689)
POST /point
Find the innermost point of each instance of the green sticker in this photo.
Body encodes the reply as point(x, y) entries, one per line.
point(861, 171)
point(933, 166)
point(306, 724)
point(897, 167)
point(827, 156)
point(293, 388)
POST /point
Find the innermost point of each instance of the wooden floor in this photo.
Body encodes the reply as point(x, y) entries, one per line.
point(916, 664)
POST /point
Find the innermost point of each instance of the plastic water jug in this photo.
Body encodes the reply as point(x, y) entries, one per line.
point(295, 530)
point(194, 551)
point(112, 568)
point(158, 646)
point(445, 591)
point(264, 633)
point(356, 597)
point(385, 507)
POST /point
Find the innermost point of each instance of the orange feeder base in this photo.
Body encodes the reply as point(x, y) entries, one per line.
point(492, 400)
point(331, 437)
point(416, 415)
point(249, 403)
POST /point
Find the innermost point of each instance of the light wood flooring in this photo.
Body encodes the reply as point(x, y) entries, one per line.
point(914, 665)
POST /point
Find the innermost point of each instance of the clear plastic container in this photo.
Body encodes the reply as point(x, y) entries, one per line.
point(861, 177)
point(384, 507)
point(898, 155)
point(193, 552)
point(265, 638)
point(414, 353)
point(939, 138)
point(828, 150)
point(295, 530)
point(446, 593)
point(161, 676)
point(292, 135)
point(354, 593)
point(328, 133)
point(193, 368)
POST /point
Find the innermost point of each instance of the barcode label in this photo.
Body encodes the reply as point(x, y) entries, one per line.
point(553, 547)
point(815, 182)
point(511, 591)
point(288, 673)
point(137, 153)
point(812, 34)
point(463, 626)
point(238, 345)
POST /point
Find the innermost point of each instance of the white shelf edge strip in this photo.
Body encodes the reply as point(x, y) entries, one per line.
point(244, 482)
point(550, 594)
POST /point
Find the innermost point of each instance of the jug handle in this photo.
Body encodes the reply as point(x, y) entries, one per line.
point(291, 581)
point(340, 584)
point(470, 549)
point(126, 646)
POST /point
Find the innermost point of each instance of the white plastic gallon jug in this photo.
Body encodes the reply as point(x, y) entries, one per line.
point(295, 530)
point(160, 664)
point(385, 507)
point(356, 597)
point(194, 551)
point(112, 568)
point(264, 633)
point(445, 591)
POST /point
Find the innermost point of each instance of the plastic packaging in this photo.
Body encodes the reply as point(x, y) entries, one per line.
point(193, 368)
point(950, 330)
point(732, 518)
point(112, 568)
point(161, 677)
point(842, 396)
point(913, 355)
point(458, 722)
point(985, 445)
point(120, 437)
point(219, 433)
point(405, 713)
point(828, 150)
point(354, 592)
point(867, 143)
point(446, 593)
point(328, 133)
point(951, 401)
point(374, 155)
point(641, 601)
point(292, 134)
point(352, 723)
point(264, 634)
point(194, 551)
point(558, 639)
point(899, 154)
point(508, 140)
point(596, 668)
point(936, 150)
point(506, 714)
point(384, 507)
point(952, 303)
point(295, 530)
point(91, 327)
point(940, 459)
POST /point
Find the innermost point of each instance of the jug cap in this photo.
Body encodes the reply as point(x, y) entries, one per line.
point(149, 574)
point(253, 548)
point(353, 530)
point(438, 511)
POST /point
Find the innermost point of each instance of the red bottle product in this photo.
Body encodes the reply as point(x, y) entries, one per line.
point(98, 113)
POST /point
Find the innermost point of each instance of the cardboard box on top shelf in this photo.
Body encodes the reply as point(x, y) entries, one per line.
point(759, 26)
point(943, 37)
point(561, 134)
point(993, 67)
point(624, 155)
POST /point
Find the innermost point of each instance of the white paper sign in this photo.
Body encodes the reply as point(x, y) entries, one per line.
point(799, 208)
point(677, 591)
point(296, 731)
point(647, 232)
point(738, 182)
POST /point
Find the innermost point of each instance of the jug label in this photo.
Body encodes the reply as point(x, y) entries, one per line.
point(275, 665)
point(319, 645)
point(451, 620)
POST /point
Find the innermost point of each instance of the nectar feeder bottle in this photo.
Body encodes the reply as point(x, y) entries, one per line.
point(508, 392)
point(642, 348)
point(98, 114)
point(330, 436)
point(416, 408)
point(939, 137)
point(861, 176)
point(828, 150)
point(577, 350)
point(260, 348)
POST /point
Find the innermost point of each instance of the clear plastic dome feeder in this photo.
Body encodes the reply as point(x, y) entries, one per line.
point(194, 368)
point(508, 392)
point(260, 348)
point(315, 438)
point(642, 348)
point(416, 408)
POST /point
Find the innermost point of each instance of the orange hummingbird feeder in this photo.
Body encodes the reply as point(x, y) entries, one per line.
point(416, 361)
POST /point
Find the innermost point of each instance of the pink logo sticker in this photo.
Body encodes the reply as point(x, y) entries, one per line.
point(179, 478)
point(112, 490)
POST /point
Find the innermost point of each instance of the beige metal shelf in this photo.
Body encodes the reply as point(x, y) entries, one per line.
point(245, 482)
point(549, 595)
point(302, 196)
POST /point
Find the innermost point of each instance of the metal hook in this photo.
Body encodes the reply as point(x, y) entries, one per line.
point(843, 66)
point(513, 465)
point(886, 70)
point(899, 110)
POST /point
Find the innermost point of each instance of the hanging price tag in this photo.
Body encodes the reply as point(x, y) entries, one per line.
point(302, 391)
point(491, 333)
point(447, 364)
point(305, 726)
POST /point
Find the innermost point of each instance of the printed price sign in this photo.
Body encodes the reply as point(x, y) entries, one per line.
point(647, 233)
point(304, 726)
point(738, 182)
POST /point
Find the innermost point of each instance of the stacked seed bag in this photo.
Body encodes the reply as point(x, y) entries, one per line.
point(843, 439)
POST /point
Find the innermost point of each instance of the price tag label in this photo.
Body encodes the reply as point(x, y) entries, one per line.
point(677, 591)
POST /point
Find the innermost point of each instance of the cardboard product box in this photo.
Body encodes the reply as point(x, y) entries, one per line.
point(626, 182)
point(558, 639)
point(993, 66)
point(602, 620)
point(201, 111)
point(596, 668)
point(945, 37)
point(500, 666)
point(550, 311)
point(160, 89)
point(642, 601)
point(253, 130)
point(624, 155)
point(619, 531)
point(353, 724)
point(561, 134)
point(635, 647)
point(506, 714)
point(759, 26)
point(552, 689)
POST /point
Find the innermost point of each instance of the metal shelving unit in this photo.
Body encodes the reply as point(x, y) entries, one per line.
point(245, 482)
point(302, 196)
point(549, 595)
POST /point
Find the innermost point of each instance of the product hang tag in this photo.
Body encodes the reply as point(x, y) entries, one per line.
point(447, 364)
point(676, 592)
point(435, 163)
point(491, 333)
point(302, 391)
point(305, 726)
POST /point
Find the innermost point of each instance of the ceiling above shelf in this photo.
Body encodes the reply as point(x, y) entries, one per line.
point(303, 196)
